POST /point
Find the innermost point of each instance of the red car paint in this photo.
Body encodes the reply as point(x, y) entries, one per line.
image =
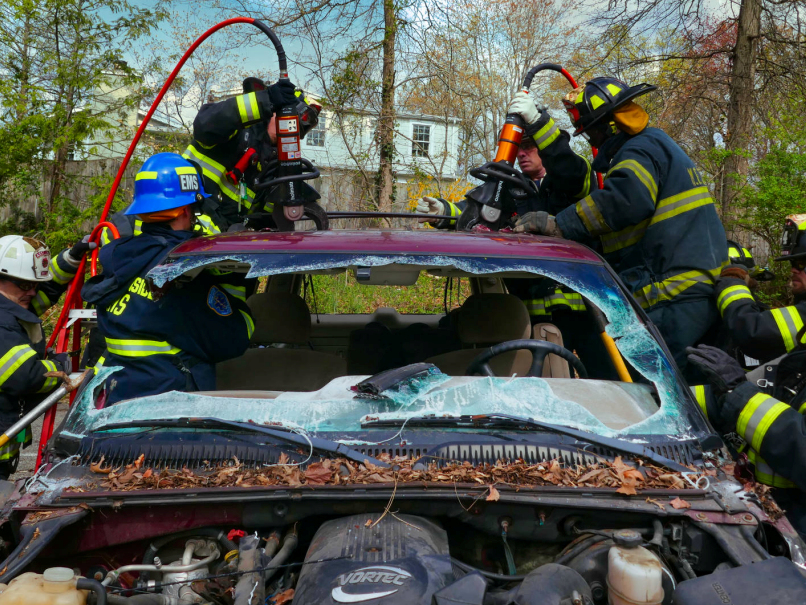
point(422, 241)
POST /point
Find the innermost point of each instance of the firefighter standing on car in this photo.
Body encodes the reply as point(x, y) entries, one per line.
point(168, 340)
point(771, 432)
point(765, 333)
point(234, 143)
point(30, 283)
point(655, 217)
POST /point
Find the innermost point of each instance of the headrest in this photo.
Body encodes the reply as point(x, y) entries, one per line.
point(280, 317)
point(493, 318)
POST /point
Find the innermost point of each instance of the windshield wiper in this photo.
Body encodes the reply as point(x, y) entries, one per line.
point(278, 433)
point(498, 421)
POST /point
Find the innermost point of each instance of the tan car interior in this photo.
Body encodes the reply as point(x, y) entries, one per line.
point(291, 351)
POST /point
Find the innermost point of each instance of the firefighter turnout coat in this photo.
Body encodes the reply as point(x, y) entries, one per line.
point(760, 332)
point(222, 134)
point(655, 218)
point(169, 340)
point(23, 365)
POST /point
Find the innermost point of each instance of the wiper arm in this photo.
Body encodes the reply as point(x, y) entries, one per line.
point(516, 422)
point(278, 433)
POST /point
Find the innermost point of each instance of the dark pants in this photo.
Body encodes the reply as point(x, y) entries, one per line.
point(683, 322)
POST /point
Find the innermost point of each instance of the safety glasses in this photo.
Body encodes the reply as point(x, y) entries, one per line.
point(23, 285)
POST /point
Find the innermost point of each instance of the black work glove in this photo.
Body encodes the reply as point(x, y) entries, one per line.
point(63, 359)
point(79, 249)
point(532, 129)
point(539, 222)
point(723, 372)
point(281, 93)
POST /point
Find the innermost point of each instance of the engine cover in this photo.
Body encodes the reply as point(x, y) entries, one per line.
point(395, 562)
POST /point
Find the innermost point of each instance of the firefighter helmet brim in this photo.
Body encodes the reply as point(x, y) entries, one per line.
point(598, 99)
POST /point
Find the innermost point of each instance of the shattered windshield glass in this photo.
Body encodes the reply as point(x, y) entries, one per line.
point(606, 408)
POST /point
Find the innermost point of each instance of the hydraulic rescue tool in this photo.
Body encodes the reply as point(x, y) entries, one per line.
point(491, 205)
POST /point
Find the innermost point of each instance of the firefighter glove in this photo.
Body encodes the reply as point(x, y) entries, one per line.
point(523, 105)
point(430, 205)
point(739, 272)
point(281, 93)
point(723, 372)
point(63, 359)
point(79, 249)
point(539, 222)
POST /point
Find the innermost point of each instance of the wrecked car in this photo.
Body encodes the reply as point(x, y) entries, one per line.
point(452, 456)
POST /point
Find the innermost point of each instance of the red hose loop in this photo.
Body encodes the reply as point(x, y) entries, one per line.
point(157, 101)
point(95, 236)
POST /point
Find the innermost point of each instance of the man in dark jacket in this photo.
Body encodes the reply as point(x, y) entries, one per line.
point(772, 431)
point(655, 217)
point(172, 341)
point(240, 129)
point(30, 283)
point(761, 332)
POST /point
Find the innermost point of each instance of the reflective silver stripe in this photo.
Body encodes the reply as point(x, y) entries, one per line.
point(139, 348)
point(673, 207)
point(757, 420)
point(546, 135)
point(215, 172)
point(238, 292)
point(13, 359)
point(40, 303)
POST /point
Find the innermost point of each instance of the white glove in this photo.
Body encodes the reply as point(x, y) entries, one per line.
point(430, 205)
point(523, 105)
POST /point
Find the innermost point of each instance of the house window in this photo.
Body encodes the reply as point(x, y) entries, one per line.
point(420, 139)
point(316, 136)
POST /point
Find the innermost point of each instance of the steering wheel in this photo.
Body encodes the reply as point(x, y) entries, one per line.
point(539, 350)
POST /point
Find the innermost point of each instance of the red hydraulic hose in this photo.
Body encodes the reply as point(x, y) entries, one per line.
point(527, 83)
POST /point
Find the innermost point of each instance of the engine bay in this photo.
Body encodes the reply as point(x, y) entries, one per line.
point(494, 556)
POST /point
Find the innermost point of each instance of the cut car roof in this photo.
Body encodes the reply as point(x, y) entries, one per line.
point(422, 241)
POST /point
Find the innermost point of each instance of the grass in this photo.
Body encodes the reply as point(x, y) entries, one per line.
point(341, 294)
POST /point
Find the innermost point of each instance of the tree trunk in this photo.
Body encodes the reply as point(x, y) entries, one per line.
point(386, 121)
point(740, 114)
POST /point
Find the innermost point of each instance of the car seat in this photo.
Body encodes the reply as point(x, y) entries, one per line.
point(554, 366)
point(280, 318)
point(484, 320)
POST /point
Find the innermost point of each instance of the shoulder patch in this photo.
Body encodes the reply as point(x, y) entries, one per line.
point(219, 302)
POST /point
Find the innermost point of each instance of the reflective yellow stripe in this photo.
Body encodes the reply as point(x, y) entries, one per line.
point(586, 186)
point(100, 362)
point(764, 473)
point(250, 324)
point(41, 303)
point(217, 173)
point(13, 359)
point(802, 408)
point(106, 236)
point(238, 292)
point(667, 208)
point(757, 416)
point(138, 227)
point(536, 306)
point(624, 238)
point(571, 300)
point(206, 224)
point(642, 174)
point(57, 272)
point(546, 135)
point(789, 324)
point(672, 286)
point(50, 381)
point(591, 217)
point(146, 176)
point(9, 450)
point(126, 347)
point(454, 211)
point(699, 395)
point(248, 108)
point(185, 170)
point(732, 294)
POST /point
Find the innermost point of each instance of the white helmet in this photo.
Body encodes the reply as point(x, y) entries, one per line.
point(24, 258)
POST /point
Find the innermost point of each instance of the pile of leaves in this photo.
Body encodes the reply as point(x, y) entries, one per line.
point(624, 478)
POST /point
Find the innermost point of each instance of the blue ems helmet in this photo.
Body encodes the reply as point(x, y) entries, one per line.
point(165, 182)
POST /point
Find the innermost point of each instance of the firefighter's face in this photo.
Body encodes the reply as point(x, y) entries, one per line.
point(797, 279)
point(271, 129)
point(530, 163)
point(19, 292)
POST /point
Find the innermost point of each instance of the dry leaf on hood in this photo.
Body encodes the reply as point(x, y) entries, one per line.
point(657, 503)
point(98, 467)
point(282, 597)
point(317, 474)
point(627, 490)
point(493, 496)
point(679, 503)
